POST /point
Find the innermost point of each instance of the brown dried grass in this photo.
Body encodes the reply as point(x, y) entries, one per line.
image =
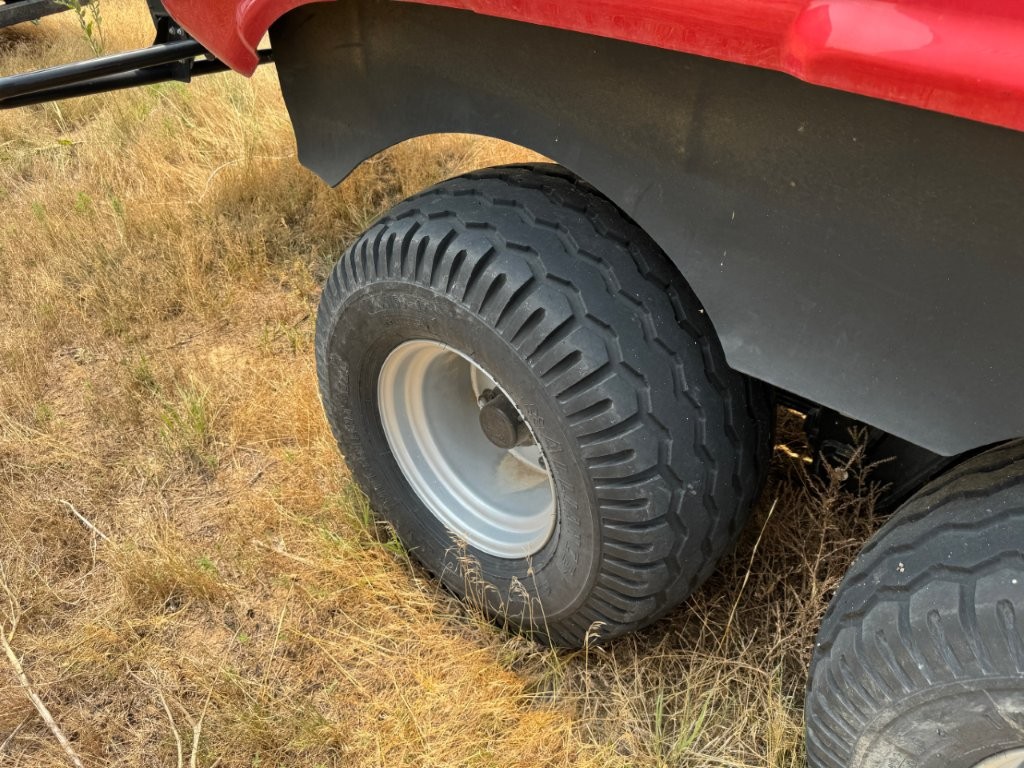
point(161, 253)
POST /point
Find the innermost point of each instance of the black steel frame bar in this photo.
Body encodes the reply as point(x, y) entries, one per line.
point(86, 71)
point(119, 81)
point(30, 10)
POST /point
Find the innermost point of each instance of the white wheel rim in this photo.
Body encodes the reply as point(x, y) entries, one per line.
point(499, 501)
point(1012, 759)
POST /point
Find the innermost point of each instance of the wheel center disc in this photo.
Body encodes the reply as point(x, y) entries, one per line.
point(1012, 759)
point(500, 501)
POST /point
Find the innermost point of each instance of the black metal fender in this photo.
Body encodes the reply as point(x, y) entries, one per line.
point(863, 255)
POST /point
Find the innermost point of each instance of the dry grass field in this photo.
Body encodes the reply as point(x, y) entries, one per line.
point(188, 576)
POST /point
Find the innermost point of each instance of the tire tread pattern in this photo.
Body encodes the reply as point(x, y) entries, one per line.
point(916, 610)
point(617, 354)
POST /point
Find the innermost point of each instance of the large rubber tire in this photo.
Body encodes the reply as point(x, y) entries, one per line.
point(920, 658)
point(657, 449)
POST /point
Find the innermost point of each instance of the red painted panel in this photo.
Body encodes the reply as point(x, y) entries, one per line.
point(232, 29)
point(963, 57)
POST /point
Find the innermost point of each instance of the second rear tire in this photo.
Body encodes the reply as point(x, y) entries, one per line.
point(920, 658)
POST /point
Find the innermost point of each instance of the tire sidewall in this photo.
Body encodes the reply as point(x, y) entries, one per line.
point(956, 725)
point(356, 337)
point(919, 657)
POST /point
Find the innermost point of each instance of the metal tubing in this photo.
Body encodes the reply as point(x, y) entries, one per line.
point(87, 71)
point(30, 10)
point(120, 81)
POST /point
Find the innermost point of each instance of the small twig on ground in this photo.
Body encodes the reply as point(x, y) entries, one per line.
point(184, 342)
point(174, 728)
point(37, 702)
point(197, 729)
point(277, 638)
point(12, 734)
point(83, 520)
point(12, 603)
point(284, 553)
point(746, 576)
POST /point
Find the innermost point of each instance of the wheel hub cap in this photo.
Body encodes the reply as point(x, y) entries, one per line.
point(501, 422)
point(491, 488)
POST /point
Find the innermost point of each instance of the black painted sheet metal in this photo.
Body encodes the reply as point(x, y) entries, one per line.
point(861, 254)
